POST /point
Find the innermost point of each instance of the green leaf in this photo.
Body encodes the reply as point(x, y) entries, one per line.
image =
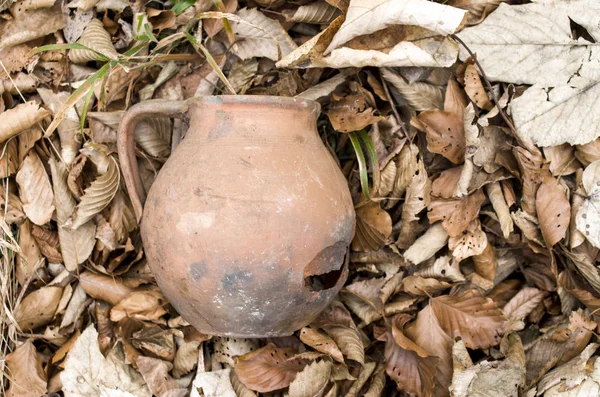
point(181, 6)
point(372, 158)
point(362, 163)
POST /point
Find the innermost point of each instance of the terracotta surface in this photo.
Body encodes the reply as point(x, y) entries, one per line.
point(243, 216)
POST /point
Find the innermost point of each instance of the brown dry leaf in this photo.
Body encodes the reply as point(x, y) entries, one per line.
point(268, 368)
point(88, 373)
point(589, 152)
point(421, 96)
point(474, 318)
point(10, 159)
point(21, 118)
point(147, 305)
point(30, 257)
point(443, 267)
point(311, 381)
point(153, 135)
point(155, 341)
point(48, 243)
point(319, 12)
point(76, 245)
point(588, 212)
point(534, 171)
point(445, 133)
point(31, 25)
point(523, 303)
point(486, 263)
point(37, 308)
point(553, 210)
point(494, 192)
point(456, 214)
point(474, 88)
point(186, 358)
point(163, 19)
point(420, 286)
point(156, 374)
point(321, 343)
point(348, 340)
point(27, 377)
point(411, 367)
point(105, 288)
point(478, 9)
point(562, 159)
point(472, 241)
point(35, 190)
point(373, 227)
point(352, 112)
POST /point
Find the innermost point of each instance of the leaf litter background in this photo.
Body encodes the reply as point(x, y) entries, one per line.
point(468, 132)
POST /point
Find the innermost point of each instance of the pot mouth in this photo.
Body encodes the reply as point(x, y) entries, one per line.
point(266, 100)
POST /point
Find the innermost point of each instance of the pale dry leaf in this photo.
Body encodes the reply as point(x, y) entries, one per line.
point(156, 374)
point(364, 375)
point(444, 267)
point(474, 318)
point(434, 239)
point(562, 159)
point(588, 215)
point(472, 241)
point(260, 36)
point(496, 197)
point(268, 368)
point(548, 57)
point(21, 118)
point(76, 245)
point(30, 257)
point(324, 88)
point(420, 286)
point(186, 358)
point(367, 16)
point(12, 208)
point(553, 210)
point(37, 308)
point(214, 383)
point(409, 365)
point(36, 192)
point(407, 162)
point(9, 159)
point(78, 303)
point(32, 25)
point(311, 381)
point(27, 377)
point(589, 152)
point(321, 343)
point(98, 195)
point(421, 96)
point(227, 349)
point(360, 307)
point(153, 135)
point(523, 303)
point(319, 12)
point(146, 305)
point(242, 74)
point(478, 9)
point(88, 373)
point(445, 133)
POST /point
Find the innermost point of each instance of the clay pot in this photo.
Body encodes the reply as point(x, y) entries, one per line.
point(247, 225)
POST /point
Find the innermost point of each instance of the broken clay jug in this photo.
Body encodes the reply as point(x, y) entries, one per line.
point(247, 225)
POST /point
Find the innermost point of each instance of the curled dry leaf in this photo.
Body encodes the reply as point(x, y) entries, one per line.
point(27, 377)
point(445, 133)
point(411, 367)
point(588, 214)
point(105, 288)
point(37, 308)
point(434, 239)
point(348, 340)
point(321, 343)
point(311, 381)
point(474, 88)
point(98, 195)
point(364, 17)
point(214, 383)
point(155, 341)
point(30, 257)
point(373, 227)
point(554, 211)
point(456, 214)
point(156, 374)
point(523, 303)
point(76, 245)
point(472, 241)
point(352, 112)
point(32, 25)
point(153, 135)
point(48, 243)
point(420, 286)
point(562, 159)
point(494, 192)
point(21, 118)
point(470, 316)
point(478, 9)
point(35, 190)
point(268, 368)
point(319, 12)
point(140, 305)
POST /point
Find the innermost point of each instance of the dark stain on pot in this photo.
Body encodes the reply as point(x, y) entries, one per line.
point(197, 270)
point(237, 279)
point(223, 127)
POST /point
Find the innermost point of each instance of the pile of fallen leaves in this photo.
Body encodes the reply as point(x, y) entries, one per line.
point(468, 132)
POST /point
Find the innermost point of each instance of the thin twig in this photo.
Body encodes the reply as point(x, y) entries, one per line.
point(391, 101)
point(524, 142)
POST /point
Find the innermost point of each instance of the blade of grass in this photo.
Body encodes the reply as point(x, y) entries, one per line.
point(372, 158)
point(211, 61)
point(362, 163)
point(72, 46)
point(226, 25)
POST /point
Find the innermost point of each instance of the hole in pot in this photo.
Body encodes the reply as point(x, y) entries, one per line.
point(325, 270)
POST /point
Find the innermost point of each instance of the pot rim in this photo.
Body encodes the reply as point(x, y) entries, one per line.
point(272, 100)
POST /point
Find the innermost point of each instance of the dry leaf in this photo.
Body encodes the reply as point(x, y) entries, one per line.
point(321, 343)
point(474, 88)
point(156, 374)
point(268, 368)
point(76, 245)
point(227, 349)
point(35, 190)
point(30, 257)
point(318, 12)
point(37, 308)
point(31, 25)
point(494, 192)
point(97, 39)
point(421, 96)
point(104, 288)
point(214, 383)
point(523, 303)
point(434, 239)
point(373, 227)
point(88, 373)
point(472, 241)
point(477, 320)
point(311, 381)
point(456, 214)
point(588, 215)
point(348, 340)
point(27, 377)
point(141, 305)
point(21, 118)
point(554, 211)
point(445, 133)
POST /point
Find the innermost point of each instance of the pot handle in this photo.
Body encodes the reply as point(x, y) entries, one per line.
point(126, 146)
